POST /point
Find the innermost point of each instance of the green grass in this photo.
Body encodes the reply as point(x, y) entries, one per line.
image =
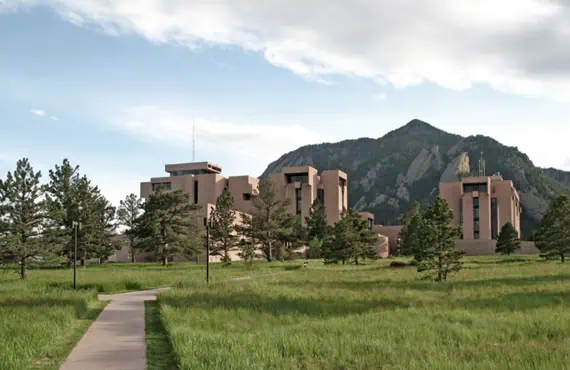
point(42, 319)
point(160, 354)
point(498, 313)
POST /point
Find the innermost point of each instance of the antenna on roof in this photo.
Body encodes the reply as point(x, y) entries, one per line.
point(482, 165)
point(193, 140)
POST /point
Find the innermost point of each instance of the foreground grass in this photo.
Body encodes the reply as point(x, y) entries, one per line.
point(42, 319)
point(496, 314)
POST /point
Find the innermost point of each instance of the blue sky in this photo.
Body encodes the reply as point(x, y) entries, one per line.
point(116, 85)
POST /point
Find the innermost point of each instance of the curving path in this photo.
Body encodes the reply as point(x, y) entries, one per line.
point(116, 340)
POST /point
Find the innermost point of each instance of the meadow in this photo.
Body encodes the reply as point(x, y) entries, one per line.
point(42, 319)
point(498, 313)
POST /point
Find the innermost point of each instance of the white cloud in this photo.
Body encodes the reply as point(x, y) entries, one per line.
point(38, 112)
point(174, 126)
point(379, 96)
point(517, 46)
point(55, 118)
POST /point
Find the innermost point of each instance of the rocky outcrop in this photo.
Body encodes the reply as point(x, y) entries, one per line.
point(460, 165)
point(427, 159)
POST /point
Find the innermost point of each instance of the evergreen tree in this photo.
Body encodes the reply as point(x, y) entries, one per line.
point(269, 218)
point(22, 216)
point(223, 231)
point(127, 214)
point(508, 241)
point(409, 235)
point(247, 244)
point(437, 253)
point(317, 229)
point(351, 240)
point(168, 225)
point(553, 237)
point(291, 238)
point(62, 207)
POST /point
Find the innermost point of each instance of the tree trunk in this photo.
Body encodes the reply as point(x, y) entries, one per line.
point(562, 257)
point(270, 256)
point(165, 260)
point(23, 271)
point(82, 261)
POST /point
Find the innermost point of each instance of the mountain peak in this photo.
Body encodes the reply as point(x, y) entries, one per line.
point(417, 127)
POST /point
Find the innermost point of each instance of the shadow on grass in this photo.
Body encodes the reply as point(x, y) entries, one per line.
point(159, 351)
point(81, 306)
point(425, 285)
point(520, 301)
point(281, 305)
point(98, 287)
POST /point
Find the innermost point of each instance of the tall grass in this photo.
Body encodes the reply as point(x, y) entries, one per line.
point(43, 318)
point(496, 314)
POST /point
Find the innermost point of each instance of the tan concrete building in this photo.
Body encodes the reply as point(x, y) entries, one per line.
point(482, 205)
point(301, 185)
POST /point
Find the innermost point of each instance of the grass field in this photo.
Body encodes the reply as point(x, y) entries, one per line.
point(42, 319)
point(498, 313)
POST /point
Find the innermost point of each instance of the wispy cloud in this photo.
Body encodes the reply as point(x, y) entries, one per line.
point(379, 96)
point(174, 126)
point(55, 118)
point(38, 112)
point(515, 46)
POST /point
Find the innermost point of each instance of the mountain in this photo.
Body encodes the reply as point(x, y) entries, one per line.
point(387, 174)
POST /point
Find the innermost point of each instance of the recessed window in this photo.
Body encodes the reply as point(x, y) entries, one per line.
point(303, 178)
point(469, 188)
point(298, 198)
point(196, 192)
point(161, 186)
point(246, 196)
point(321, 195)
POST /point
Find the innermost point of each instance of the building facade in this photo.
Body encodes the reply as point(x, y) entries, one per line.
point(482, 205)
point(301, 185)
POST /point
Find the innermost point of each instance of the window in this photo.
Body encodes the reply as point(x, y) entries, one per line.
point(161, 186)
point(298, 198)
point(321, 195)
point(342, 184)
point(460, 211)
point(196, 192)
point(370, 223)
point(476, 218)
point(181, 173)
point(303, 178)
point(494, 218)
point(469, 188)
point(246, 196)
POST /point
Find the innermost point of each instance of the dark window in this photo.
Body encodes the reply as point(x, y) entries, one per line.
point(460, 211)
point(469, 188)
point(161, 186)
point(298, 198)
point(246, 196)
point(370, 223)
point(303, 178)
point(476, 218)
point(321, 195)
point(494, 218)
point(196, 192)
point(342, 184)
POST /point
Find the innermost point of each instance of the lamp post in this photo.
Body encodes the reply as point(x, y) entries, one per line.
point(76, 227)
point(207, 223)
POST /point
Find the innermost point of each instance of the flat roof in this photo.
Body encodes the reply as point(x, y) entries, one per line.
point(194, 166)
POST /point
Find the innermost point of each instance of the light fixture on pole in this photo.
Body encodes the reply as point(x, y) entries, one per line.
point(76, 227)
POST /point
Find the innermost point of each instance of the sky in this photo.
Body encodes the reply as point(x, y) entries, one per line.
point(117, 86)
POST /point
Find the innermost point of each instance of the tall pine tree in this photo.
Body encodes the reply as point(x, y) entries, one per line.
point(129, 211)
point(223, 231)
point(508, 241)
point(168, 225)
point(553, 238)
point(22, 213)
point(270, 218)
point(437, 253)
point(318, 229)
point(409, 235)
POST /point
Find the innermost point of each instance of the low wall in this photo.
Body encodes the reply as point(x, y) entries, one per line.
point(487, 247)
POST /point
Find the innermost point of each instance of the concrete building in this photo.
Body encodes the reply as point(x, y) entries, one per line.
point(301, 185)
point(481, 205)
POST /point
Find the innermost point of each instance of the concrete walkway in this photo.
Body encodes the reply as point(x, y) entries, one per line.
point(116, 340)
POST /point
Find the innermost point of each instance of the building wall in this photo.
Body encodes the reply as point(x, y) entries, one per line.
point(335, 203)
point(487, 247)
point(392, 233)
point(240, 185)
